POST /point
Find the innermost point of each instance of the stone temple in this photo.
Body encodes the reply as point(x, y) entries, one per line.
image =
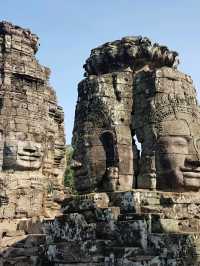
point(31, 130)
point(134, 91)
point(133, 207)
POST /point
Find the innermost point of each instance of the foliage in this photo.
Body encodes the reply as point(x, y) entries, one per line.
point(69, 173)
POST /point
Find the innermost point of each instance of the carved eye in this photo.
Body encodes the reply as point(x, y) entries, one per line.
point(182, 142)
point(22, 136)
point(39, 138)
point(161, 147)
point(8, 150)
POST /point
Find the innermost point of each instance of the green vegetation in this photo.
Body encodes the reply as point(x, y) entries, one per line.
point(69, 173)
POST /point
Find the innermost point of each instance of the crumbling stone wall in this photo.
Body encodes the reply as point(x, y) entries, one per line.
point(31, 128)
point(102, 133)
point(166, 122)
point(121, 225)
point(112, 101)
point(131, 88)
point(32, 147)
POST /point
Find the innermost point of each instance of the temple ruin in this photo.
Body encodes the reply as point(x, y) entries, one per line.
point(133, 207)
point(32, 145)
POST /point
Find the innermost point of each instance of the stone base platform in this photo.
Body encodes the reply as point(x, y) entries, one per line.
point(132, 228)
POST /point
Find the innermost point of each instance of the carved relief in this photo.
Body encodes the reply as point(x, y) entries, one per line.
point(102, 136)
point(133, 88)
point(170, 131)
point(32, 143)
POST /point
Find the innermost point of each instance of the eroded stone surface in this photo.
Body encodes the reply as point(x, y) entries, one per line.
point(102, 136)
point(133, 91)
point(166, 122)
point(141, 228)
point(129, 52)
point(31, 129)
point(132, 88)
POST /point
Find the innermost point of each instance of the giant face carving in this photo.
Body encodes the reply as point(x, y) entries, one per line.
point(32, 145)
point(31, 148)
point(33, 124)
point(177, 156)
point(24, 152)
point(89, 164)
point(102, 137)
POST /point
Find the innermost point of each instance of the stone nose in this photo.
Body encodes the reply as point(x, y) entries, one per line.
point(30, 148)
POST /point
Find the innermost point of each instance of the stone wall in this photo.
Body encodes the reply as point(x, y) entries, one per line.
point(136, 227)
point(109, 115)
point(102, 133)
point(165, 108)
point(133, 228)
point(32, 142)
point(132, 88)
point(132, 84)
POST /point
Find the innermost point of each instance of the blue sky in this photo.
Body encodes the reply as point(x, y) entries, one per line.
point(69, 29)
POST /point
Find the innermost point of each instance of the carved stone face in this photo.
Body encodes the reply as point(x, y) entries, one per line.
point(32, 145)
point(177, 157)
point(89, 165)
point(23, 151)
point(33, 138)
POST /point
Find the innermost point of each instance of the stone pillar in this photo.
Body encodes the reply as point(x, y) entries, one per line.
point(102, 135)
point(32, 142)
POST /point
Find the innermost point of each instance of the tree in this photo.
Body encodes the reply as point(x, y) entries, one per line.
point(69, 173)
